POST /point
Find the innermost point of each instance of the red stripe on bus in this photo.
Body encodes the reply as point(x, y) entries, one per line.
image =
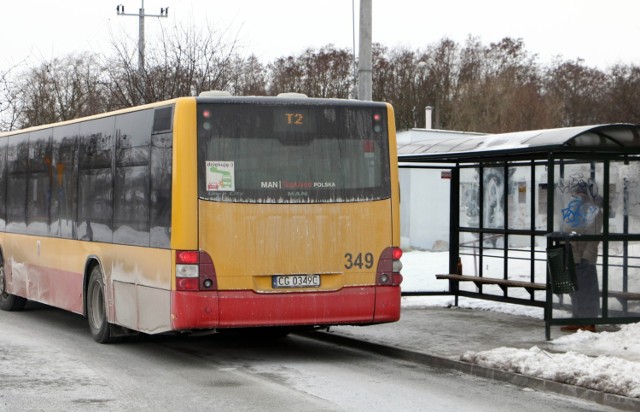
point(357, 305)
point(55, 287)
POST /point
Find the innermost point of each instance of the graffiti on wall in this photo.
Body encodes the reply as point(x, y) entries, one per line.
point(581, 199)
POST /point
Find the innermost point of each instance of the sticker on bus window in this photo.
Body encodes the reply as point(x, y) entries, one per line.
point(220, 176)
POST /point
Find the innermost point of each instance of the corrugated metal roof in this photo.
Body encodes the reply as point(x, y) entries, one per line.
point(607, 138)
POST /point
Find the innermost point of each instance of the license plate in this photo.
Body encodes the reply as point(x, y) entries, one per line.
point(295, 281)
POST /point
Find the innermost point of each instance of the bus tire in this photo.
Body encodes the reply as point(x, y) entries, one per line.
point(96, 307)
point(8, 302)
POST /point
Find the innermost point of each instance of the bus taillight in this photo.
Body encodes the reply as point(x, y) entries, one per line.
point(195, 271)
point(187, 257)
point(389, 267)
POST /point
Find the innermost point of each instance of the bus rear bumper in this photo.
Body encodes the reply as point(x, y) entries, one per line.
point(237, 309)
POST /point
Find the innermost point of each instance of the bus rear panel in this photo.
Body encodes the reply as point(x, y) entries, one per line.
point(295, 217)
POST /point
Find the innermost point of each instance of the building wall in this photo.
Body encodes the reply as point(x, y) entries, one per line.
point(425, 196)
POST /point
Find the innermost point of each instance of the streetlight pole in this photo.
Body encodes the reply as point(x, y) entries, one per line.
point(365, 61)
point(164, 12)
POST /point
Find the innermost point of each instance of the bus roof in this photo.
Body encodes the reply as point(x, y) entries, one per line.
point(95, 116)
point(286, 99)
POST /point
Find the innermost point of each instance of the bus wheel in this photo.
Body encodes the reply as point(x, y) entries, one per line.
point(96, 308)
point(7, 301)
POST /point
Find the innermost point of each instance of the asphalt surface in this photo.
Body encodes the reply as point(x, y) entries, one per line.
point(438, 336)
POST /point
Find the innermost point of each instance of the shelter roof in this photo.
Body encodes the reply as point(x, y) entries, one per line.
point(605, 139)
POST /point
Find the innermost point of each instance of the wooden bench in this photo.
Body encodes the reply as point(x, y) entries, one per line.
point(623, 297)
point(504, 284)
point(530, 287)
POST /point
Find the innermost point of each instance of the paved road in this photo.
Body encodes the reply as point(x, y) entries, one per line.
point(48, 362)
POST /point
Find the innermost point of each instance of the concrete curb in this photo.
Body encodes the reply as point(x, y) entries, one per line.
point(601, 398)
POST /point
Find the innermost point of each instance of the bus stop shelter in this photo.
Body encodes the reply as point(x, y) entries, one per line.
point(547, 218)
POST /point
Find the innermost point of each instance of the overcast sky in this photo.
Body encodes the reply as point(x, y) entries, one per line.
point(602, 33)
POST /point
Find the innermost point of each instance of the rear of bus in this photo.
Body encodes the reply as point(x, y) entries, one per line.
point(297, 216)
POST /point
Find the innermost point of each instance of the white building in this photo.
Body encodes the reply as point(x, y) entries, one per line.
point(424, 194)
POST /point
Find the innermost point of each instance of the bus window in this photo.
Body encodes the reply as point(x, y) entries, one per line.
point(39, 182)
point(95, 186)
point(3, 183)
point(292, 154)
point(131, 197)
point(17, 161)
point(64, 192)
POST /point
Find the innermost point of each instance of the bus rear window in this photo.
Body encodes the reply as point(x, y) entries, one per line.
point(292, 154)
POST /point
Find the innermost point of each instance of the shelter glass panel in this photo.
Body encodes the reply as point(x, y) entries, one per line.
point(493, 257)
point(585, 301)
point(493, 179)
point(519, 198)
point(624, 279)
point(468, 251)
point(425, 208)
point(540, 204)
point(493, 241)
point(624, 197)
point(578, 198)
point(469, 198)
point(540, 259)
point(519, 261)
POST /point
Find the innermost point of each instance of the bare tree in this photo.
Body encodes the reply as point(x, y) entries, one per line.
point(62, 89)
point(325, 72)
point(438, 80)
point(383, 74)
point(397, 78)
point(11, 100)
point(285, 75)
point(498, 87)
point(184, 62)
point(247, 77)
point(623, 95)
point(578, 92)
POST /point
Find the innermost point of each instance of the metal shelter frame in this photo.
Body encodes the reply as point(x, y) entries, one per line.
point(607, 158)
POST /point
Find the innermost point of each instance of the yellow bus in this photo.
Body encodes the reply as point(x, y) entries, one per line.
point(205, 213)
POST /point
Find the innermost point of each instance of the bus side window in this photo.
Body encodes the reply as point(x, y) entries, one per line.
point(3, 184)
point(64, 186)
point(160, 166)
point(17, 160)
point(160, 197)
point(131, 197)
point(39, 182)
point(95, 180)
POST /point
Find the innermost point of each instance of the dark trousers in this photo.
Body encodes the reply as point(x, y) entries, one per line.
point(586, 300)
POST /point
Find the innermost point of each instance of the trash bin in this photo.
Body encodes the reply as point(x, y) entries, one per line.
point(562, 271)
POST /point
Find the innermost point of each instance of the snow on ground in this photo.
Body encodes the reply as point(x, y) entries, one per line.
point(604, 361)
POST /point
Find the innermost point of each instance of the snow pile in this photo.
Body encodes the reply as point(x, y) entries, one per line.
point(624, 343)
point(603, 373)
point(603, 361)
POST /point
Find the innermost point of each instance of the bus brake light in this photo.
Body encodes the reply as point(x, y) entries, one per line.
point(396, 253)
point(389, 267)
point(195, 271)
point(188, 257)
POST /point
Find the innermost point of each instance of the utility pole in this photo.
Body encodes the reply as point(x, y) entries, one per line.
point(365, 60)
point(164, 12)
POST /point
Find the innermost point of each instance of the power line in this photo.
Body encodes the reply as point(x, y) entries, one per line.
point(164, 12)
